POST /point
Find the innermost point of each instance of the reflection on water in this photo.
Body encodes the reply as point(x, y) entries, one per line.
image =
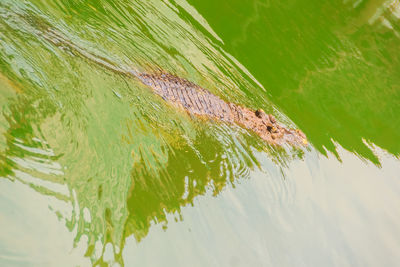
point(328, 65)
point(122, 162)
point(121, 157)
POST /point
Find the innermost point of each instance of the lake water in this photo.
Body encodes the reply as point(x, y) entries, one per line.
point(95, 169)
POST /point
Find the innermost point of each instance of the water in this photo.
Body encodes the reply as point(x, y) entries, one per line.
point(96, 169)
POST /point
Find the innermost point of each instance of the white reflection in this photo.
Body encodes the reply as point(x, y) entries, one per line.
point(323, 213)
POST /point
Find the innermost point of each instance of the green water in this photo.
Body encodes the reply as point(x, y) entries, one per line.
point(97, 170)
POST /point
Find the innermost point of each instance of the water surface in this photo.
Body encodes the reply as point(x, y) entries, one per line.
point(96, 169)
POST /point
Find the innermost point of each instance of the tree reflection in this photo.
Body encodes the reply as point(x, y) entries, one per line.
point(330, 66)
